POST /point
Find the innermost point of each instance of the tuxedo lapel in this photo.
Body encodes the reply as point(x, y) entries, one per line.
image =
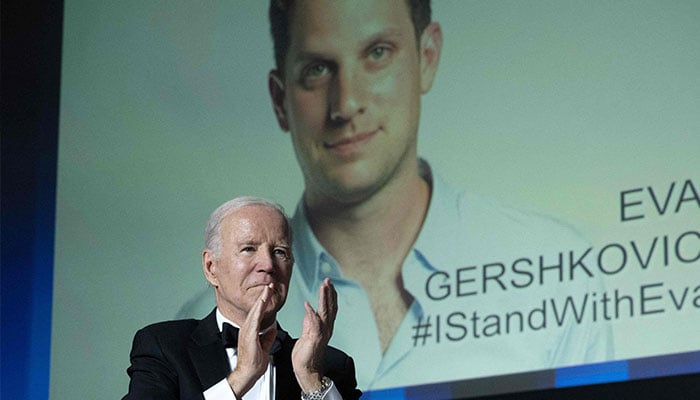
point(211, 363)
point(207, 352)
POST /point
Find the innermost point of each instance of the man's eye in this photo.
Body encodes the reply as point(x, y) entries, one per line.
point(247, 249)
point(379, 52)
point(315, 70)
point(280, 252)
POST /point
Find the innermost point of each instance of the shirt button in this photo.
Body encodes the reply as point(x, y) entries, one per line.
point(326, 268)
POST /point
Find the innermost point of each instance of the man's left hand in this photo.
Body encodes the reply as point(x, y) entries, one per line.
point(317, 329)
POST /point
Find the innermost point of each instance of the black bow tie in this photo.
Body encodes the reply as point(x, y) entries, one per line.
point(229, 335)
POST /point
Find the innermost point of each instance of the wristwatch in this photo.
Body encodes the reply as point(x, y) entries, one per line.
point(318, 394)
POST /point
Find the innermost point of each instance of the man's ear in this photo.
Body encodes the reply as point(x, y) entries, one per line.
point(209, 267)
point(276, 87)
point(430, 48)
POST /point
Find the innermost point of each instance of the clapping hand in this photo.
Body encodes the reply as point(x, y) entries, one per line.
point(253, 348)
point(317, 329)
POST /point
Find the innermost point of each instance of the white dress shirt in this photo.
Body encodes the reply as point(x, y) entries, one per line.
point(264, 387)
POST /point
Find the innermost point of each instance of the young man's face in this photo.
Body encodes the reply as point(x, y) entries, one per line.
point(350, 93)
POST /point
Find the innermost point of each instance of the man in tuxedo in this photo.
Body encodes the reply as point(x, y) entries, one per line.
point(239, 351)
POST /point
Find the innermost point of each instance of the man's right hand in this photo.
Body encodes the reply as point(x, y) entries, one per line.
point(253, 349)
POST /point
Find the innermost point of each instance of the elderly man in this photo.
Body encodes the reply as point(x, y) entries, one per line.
point(239, 351)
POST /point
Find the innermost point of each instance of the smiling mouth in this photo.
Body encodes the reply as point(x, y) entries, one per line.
point(348, 145)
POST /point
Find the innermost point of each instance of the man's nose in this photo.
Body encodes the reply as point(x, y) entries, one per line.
point(346, 95)
point(265, 261)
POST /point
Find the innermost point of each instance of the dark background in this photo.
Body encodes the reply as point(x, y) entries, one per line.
point(29, 97)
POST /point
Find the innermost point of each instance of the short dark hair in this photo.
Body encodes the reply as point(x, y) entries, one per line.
point(280, 12)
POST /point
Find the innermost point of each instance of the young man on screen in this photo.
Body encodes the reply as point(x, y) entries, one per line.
point(406, 252)
point(347, 87)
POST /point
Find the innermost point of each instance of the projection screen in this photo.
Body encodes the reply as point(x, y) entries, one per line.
point(578, 118)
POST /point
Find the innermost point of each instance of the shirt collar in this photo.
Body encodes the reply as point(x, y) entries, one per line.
point(220, 319)
point(442, 232)
point(313, 261)
point(444, 229)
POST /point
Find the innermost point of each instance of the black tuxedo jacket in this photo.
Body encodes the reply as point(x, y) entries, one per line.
point(181, 359)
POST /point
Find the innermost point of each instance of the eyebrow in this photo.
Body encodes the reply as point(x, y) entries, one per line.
point(390, 33)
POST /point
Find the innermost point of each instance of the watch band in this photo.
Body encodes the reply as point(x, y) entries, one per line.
point(318, 394)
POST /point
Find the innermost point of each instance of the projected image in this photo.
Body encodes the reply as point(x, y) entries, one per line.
point(392, 236)
point(505, 195)
point(427, 272)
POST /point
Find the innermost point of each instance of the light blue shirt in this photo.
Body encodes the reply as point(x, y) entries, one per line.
point(461, 233)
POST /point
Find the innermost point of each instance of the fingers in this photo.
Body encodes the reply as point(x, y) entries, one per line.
point(309, 349)
point(250, 342)
point(253, 320)
point(253, 350)
point(327, 304)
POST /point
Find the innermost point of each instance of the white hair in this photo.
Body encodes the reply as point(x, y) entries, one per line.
point(212, 233)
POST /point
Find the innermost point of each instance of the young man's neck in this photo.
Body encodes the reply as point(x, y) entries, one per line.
point(371, 239)
point(379, 230)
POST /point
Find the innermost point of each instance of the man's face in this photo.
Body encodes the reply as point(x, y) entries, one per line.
point(350, 93)
point(255, 251)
